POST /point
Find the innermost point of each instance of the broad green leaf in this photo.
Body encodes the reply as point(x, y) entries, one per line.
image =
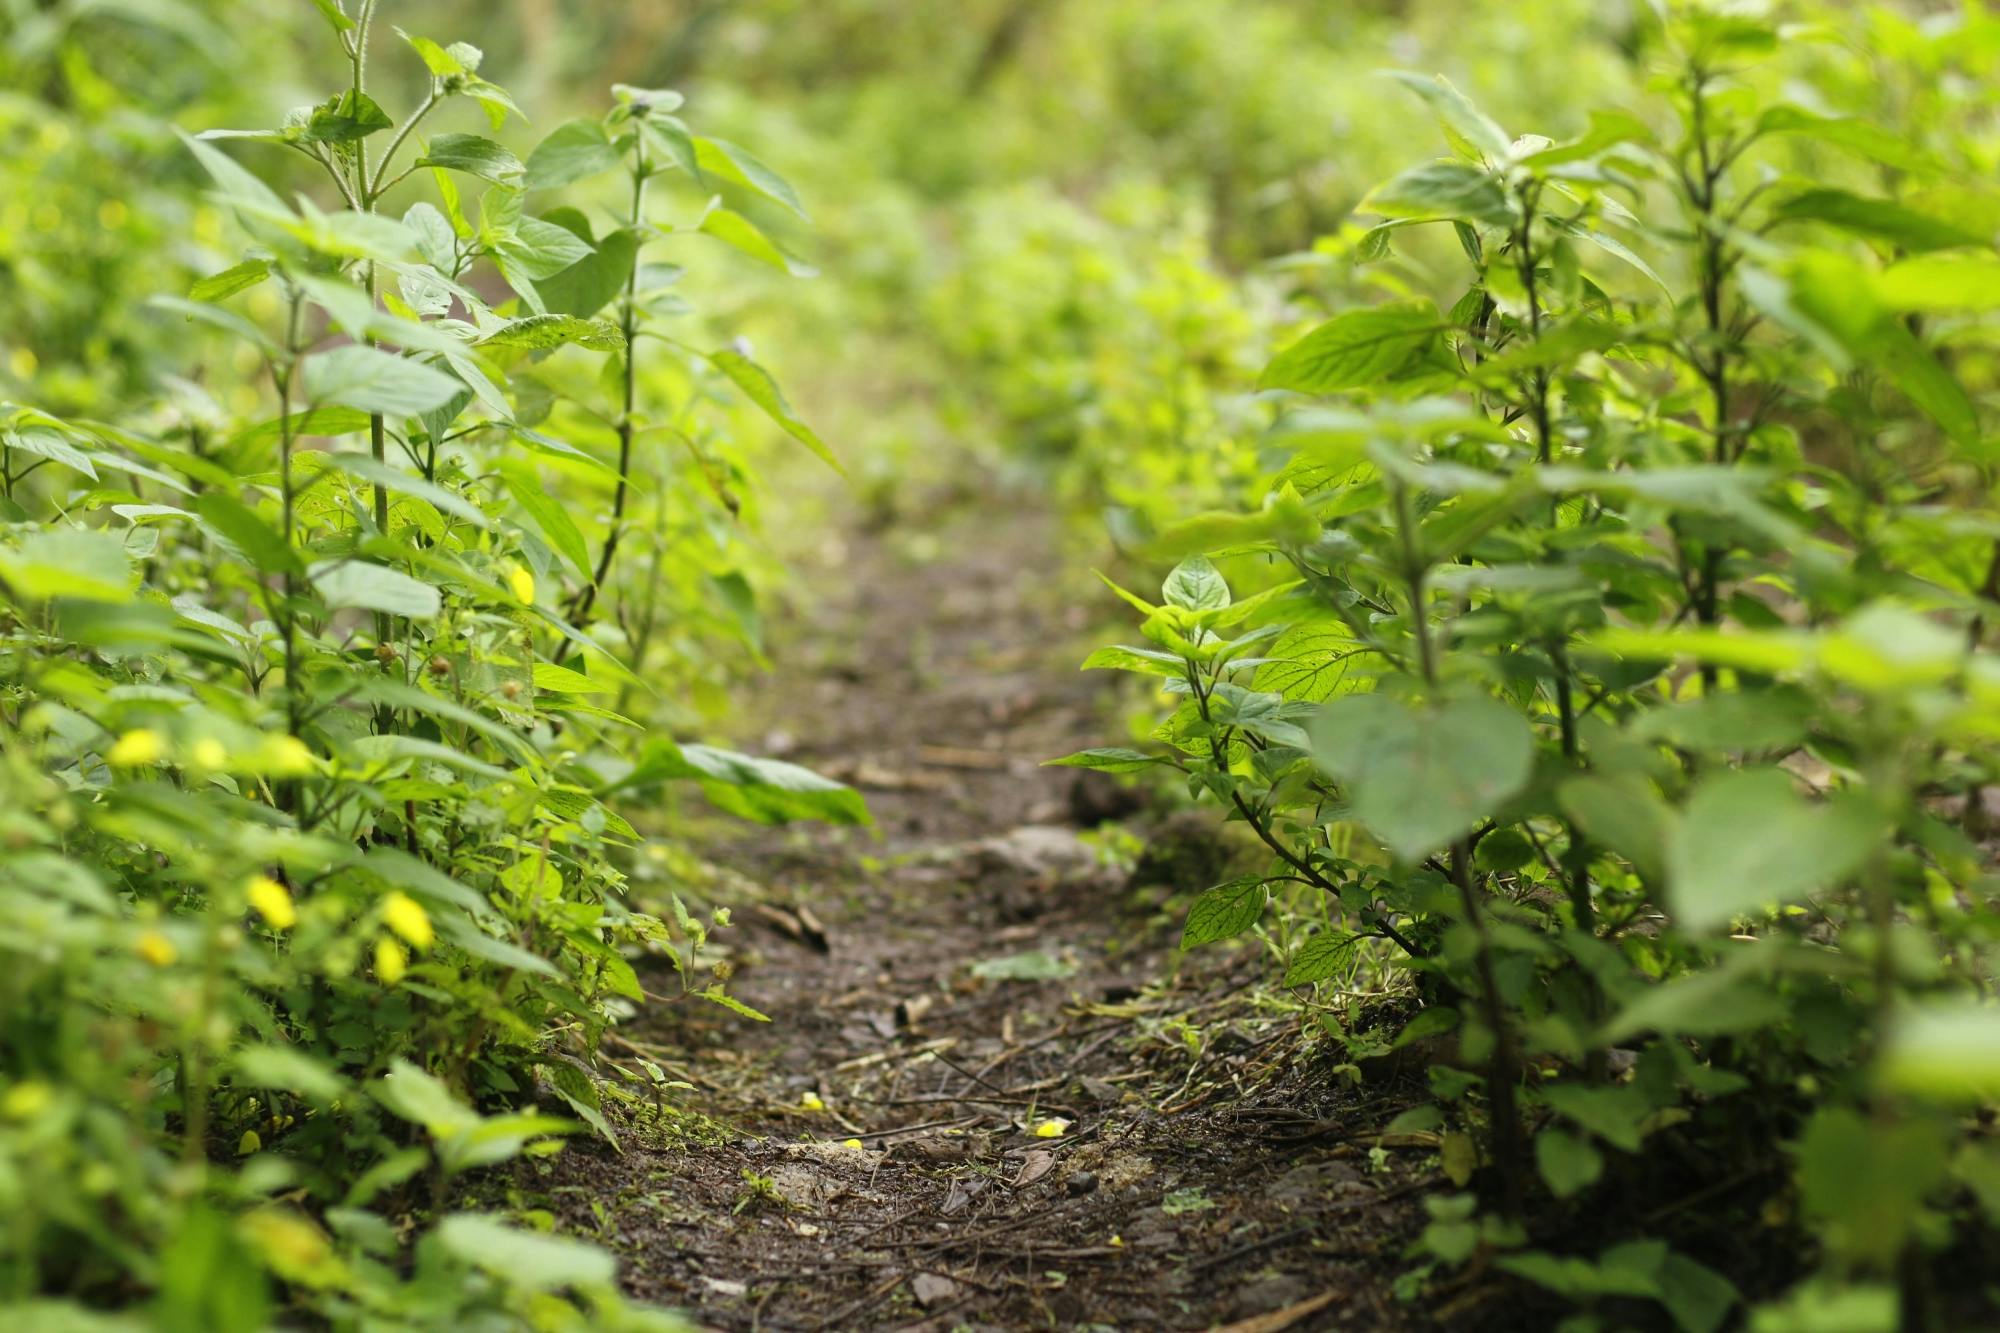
point(722, 159)
point(585, 287)
point(1420, 777)
point(1880, 219)
point(761, 389)
point(1354, 350)
point(550, 516)
point(1747, 839)
point(367, 469)
point(475, 156)
point(261, 544)
point(1321, 958)
point(740, 233)
point(1941, 282)
point(67, 562)
point(1569, 1165)
point(1442, 190)
point(1470, 130)
point(525, 1258)
point(768, 791)
point(289, 1069)
point(1196, 585)
point(50, 443)
point(1945, 1052)
point(376, 381)
point(345, 118)
point(1225, 911)
point(561, 680)
point(373, 587)
point(572, 152)
point(543, 249)
point(543, 331)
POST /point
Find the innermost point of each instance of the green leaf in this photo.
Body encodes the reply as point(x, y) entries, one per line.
point(349, 117)
point(524, 1258)
point(1196, 585)
point(572, 152)
point(376, 381)
point(1420, 777)
point(366, 468)
point(50, 443)
point(67, 562)
point(1108, 759)
point(543, 331)
point(288, 1069)
point(542, 249)
point(740, 233)
point(1568, 1164)
point(720, 158)
point(552, 679)
point(761, 389)
point(1321, 958)
point(260, 543)
point(551, 517)
point(1469, 129)
point(331, 11)
point(1615, 1114)
point(239, 277)
point(768, 791)
point(1225, 911)
point(1035, 965)
point(1354, 350)
point(475, 156)
point(409, 1093)
point(1438, 191)
point(1948, 1053)
point(1748, 839)
point(374, 588)
point(1941, 282)
point(1879, 219)
point(586, 286)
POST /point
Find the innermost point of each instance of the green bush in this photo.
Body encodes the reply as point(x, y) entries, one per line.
point(312, 868)
point(1629, 691)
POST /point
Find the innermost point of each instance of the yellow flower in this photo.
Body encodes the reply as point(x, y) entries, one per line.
point(811, 1102)
point(157, 949)
point(25, 1101)
point(1051, 1128)
point(523, 584)
point(137, 748)
point(208, 753)
point(285, 757)
point(406, 916)
point(390, 961)
point(249, 1143)
point(273, 902)
point(851, 1143)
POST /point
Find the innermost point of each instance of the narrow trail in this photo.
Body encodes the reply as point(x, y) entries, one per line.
point(1208, 1176)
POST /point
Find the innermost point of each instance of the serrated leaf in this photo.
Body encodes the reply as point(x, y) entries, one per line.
point(572, 152)
point(375, 381)
point(1354, 350)
point(1225, 911)
point(475, 156)
point(542, 331)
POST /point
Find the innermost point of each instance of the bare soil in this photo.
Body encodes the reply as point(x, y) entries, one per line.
point(883, 1153)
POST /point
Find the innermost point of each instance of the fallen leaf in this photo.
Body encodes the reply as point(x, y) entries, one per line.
point(931, 1289)
point(1036, 1165)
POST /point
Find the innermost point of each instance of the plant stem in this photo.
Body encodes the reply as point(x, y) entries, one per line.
point(1502, 1067)
point(629, 324)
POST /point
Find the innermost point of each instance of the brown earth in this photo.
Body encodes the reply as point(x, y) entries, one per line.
point(1213, 1172)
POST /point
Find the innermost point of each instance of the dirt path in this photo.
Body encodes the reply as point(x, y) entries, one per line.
point(1206, 1176)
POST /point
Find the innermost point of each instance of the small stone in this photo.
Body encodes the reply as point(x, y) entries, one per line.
point(1080, 1182)
point(932, 1289)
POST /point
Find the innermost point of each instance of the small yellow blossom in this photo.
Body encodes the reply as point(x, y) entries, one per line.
point(406, 916)
point(1116, 1242)
point(137, 748)
point(1052, 1128)
point(810, 1101)
point(249, 1143)
point(157, 949)
point(390, 961)
point(851, 1143)
point(273, 902)
point(285, 757)
point(208, 753)
point(25, 1101)
point(523, 584)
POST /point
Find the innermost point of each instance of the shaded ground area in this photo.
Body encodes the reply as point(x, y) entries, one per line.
point(946, 994)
